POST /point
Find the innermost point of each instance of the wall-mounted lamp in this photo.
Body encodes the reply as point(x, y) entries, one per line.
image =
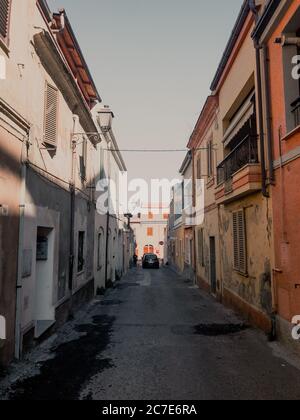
point(105, 117)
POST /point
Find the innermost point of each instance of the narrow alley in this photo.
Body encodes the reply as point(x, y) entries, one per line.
point(155, 336)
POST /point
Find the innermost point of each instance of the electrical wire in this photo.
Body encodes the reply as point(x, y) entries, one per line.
point(154, 150)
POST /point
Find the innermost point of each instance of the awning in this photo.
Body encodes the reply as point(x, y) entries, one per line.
point(239, 120)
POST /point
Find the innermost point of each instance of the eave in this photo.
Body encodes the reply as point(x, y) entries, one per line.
point(238, 27)
point(59, 71)
point(205, 119)
point(74, 56)
point(265, 18)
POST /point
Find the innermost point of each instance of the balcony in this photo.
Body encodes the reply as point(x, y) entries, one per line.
point(240, 173)
point(296, 112)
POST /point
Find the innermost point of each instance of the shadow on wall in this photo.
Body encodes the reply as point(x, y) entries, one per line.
point(48, 207)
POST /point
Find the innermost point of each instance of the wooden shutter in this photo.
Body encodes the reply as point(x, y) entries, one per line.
point(201, 247)
point(199, 175)
point(239, 242)
point(51, 114)
point(4, 16)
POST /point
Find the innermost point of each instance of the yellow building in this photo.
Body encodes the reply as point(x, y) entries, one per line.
point(234, 243)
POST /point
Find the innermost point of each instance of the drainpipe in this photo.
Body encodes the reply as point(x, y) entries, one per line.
point(258, 48)
point(18, 321)
point(261, 124)
point(107, 218)
point(268, 114)
point(72, 210)
point(253, 9)
point(194, 227)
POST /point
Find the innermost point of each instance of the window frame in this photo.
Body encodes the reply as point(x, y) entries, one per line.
point(99, 249)
point(210, 159)
point(81, 252)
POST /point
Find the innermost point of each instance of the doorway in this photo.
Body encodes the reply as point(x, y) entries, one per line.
point(213, 271)
point(44, 309)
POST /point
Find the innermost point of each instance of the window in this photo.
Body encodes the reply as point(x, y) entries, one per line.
point(201, 247)
point(210, 159)
point(51, 115)
point(199, 175)
point(150, 215)
point(239, 242)
point(4, 19)
point(81, 261)
point(291, 65)
point(99, 250)
point(166, 216)
point(149, 231)
point(83, 159)
point(187, 253)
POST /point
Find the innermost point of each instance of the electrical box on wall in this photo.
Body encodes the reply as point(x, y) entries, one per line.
point(4, 210)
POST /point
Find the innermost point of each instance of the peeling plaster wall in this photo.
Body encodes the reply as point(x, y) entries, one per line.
point(255, 288)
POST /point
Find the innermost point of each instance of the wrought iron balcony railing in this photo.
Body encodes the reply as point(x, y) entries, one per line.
point(244, 154)
point(296, 111)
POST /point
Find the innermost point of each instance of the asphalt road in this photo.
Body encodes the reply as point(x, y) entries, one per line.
point(157, 337)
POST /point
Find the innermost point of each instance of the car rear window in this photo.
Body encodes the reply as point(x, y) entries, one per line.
point(151, 257)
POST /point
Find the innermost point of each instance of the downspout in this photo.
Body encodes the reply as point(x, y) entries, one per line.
point(107, 218)
point(72, 218)
point(195, 215)
point(261, 124)
point(268, 114)
point(18, 320)
point(257, 47)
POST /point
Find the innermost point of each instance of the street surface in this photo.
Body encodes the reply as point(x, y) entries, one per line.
point(155, 337)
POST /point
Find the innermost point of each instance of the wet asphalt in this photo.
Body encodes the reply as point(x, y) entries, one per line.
point(158, 337)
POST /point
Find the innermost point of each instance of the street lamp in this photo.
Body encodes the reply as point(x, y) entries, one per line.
point(128, 217)
point(105, 117)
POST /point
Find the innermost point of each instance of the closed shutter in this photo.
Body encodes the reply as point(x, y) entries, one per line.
point(201, 247)
point(51, 114)
point(4, 15)
point(199, 175)
point(239, 242)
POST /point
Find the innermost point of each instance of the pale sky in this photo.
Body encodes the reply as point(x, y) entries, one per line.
point(153, 62)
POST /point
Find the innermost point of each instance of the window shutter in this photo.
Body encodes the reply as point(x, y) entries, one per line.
point(201, 247)
point(239, 241)
point(4, 14)
point(199, 175)
point(235, 242)
point(242, 241)
point(51, 113)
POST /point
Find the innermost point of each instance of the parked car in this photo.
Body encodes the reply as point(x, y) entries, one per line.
point(150, 261)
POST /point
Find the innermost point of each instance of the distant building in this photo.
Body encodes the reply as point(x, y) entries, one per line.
point(150, 228)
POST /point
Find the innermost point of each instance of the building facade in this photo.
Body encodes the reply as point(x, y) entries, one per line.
point(234, 238)
point(278, 35)
point(55, 141)
point(150, 227)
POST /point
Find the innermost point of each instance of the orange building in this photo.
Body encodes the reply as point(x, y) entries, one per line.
point(277, 34)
